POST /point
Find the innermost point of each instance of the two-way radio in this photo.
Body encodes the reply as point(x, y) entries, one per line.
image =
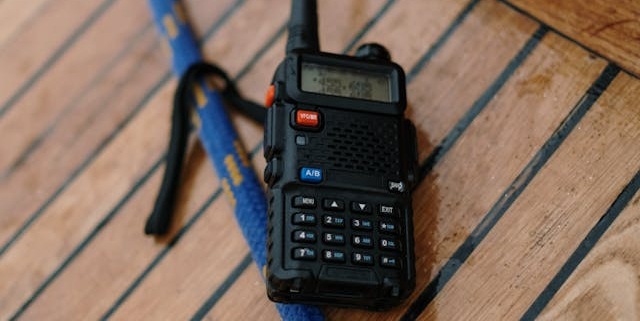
point(341, 161)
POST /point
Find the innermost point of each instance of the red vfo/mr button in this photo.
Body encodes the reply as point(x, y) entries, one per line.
point(307, 118)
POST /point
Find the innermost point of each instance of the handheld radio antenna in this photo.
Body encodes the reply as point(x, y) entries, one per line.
point(303, 26)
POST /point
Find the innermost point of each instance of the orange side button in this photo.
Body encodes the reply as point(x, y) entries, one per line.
point(271, 93)
point(307, 118)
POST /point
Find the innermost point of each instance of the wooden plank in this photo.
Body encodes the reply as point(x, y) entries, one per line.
point(15, 14)
point(70, 218)
point(609, 27)
point(48, 97)
point(103, 273)
point(36, 47)
point(535, 236)
point(464, 69)
point(246, 299)
point(86, 124)
point(461, 70)
point(129, 234)
point(604, 286)
point(452, 200)
point(405, 20)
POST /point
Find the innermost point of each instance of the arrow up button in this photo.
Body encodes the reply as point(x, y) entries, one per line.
point(333, 204)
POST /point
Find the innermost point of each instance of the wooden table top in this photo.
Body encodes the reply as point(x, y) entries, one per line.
point(528, 123)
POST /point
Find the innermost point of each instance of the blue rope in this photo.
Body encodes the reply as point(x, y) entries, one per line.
point(221, 142)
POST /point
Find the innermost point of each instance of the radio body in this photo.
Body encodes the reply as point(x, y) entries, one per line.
point(341, 161)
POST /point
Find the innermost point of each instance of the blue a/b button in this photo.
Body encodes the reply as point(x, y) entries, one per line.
point(310, 175)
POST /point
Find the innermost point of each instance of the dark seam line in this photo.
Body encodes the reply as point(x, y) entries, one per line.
point(223, 288)
point(583, 249)
point(56, 55)
point(82, 167)
point(26, 22)
point(160, 256)
point(478, 106)
point(222, 20)
point(100, 75)
point(368, 25)
point(270, 42)
point(89, 238)
point(185, 228)
point(441, 40)
point(166, 249)
point(561, 34)
point(510, 195)
point(124, 200)
point(165, 79)
point(196, 216)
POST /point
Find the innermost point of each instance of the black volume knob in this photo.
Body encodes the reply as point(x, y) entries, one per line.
point(373, 51)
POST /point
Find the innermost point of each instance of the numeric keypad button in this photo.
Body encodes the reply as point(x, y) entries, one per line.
point(389, 244)
point(389, 227)
point(362, 241)
point(304, 236)
point(389, 261)
point(304, 253)
point(361, 224)
point(333, 256)
point(333, 221)
point(362, 258)
point(304, 219)
point(333, 238)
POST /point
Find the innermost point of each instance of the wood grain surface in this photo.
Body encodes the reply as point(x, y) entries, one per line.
point(15, 14)
point(86, 122)
point(527, 152)
point(528, 245)
point(605, 285)
point(608, 27)
point(33, 47)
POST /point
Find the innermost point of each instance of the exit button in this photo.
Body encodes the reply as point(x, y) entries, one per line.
point(310, 175)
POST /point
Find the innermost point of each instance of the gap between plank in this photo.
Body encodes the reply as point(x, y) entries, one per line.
point(446, 273)
point(143, 102)
point(135, 188)
point(561, 34)
point(583, 249)
point(89, 238)
point(223, 288)
point(26, 153)
point(55, 56)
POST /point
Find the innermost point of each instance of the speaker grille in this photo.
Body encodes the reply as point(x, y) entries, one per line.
point(362, 143)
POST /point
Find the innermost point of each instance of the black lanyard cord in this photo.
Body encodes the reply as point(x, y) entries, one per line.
point(160, 218)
